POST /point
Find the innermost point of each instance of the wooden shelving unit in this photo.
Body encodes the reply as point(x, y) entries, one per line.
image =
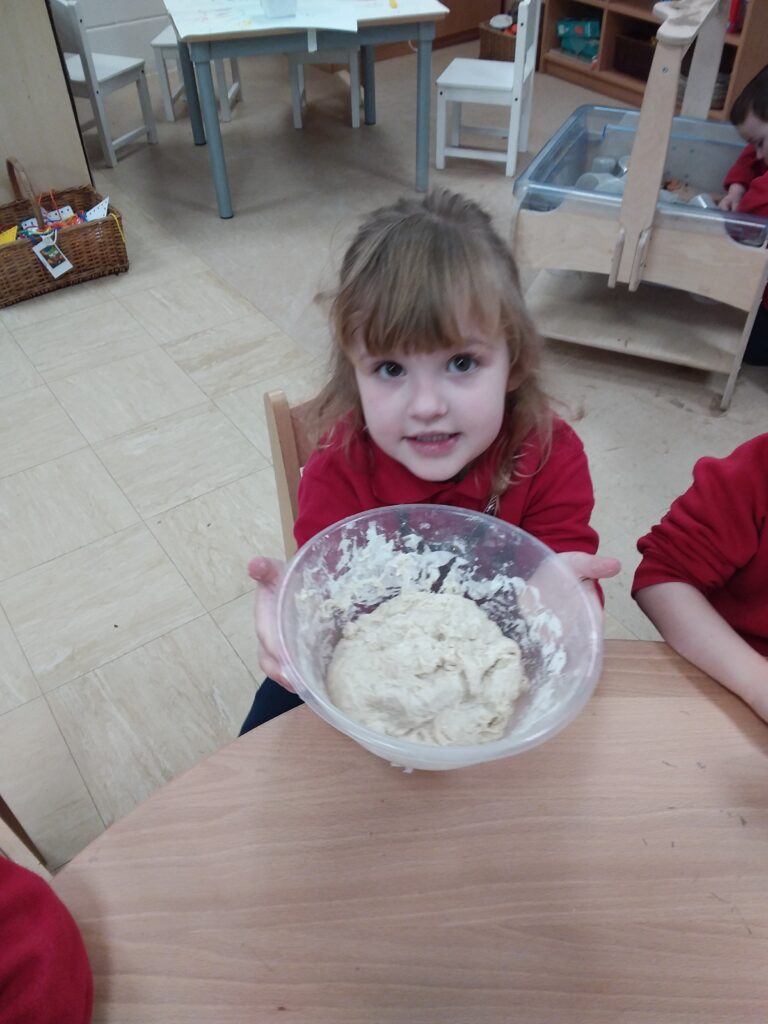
point(743, 55)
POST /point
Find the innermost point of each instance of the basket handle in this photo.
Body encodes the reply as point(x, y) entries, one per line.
point(22, 188)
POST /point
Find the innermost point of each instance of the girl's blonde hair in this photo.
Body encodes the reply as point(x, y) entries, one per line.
point(412, 273)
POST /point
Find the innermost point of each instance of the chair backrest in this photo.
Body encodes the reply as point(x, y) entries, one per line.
point(71, 34)
point(291, 447)
point(528, 18)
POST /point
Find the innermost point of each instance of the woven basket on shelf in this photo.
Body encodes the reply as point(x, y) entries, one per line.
point(94, 249)
point(495, 44)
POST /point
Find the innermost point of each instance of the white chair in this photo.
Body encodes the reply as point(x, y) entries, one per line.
point(296, 62)
point(93, 76)
point(166, 48)
point(494, 82)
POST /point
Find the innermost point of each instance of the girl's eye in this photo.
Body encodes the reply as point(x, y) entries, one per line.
point(462, 364)
point(389, 370)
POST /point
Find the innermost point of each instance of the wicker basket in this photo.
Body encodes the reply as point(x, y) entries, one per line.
point(94, 249)
point(495, 44)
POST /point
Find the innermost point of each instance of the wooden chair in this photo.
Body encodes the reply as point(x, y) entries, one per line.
point(16, 845)
point(165, 46)
point(492, 82)
point(93, 76)
point(291, 446)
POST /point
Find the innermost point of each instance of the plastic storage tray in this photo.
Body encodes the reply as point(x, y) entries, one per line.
point(699, 155)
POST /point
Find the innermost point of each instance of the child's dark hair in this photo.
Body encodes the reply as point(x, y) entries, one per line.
point(753, 99)
point(413, 272)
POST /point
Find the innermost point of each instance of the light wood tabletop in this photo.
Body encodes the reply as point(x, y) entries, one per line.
point(619, 872)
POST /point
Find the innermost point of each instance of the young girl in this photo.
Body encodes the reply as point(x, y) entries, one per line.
point(434, 396)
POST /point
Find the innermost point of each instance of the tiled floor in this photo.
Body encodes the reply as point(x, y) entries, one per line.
point(134, 464)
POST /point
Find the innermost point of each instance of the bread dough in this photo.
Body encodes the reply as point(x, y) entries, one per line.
point(427, 667)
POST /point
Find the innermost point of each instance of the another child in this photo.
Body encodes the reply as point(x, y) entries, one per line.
point(747, 187)
point(703, 580)
point(434, 396)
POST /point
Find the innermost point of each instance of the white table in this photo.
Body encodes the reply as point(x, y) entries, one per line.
point(377, 22)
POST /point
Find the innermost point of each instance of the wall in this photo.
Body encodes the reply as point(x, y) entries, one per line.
point(124, 26)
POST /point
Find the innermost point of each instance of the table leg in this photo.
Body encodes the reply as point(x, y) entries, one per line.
point(190, 92)
point(423, 96)
point(369, 83)
point(213, 135)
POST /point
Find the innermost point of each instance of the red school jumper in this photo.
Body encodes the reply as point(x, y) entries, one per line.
point(45, 977)
point(715, 537)
point(551, 498)
point(752, 173)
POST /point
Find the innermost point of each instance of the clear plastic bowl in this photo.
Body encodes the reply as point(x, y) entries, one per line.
point(534, 597)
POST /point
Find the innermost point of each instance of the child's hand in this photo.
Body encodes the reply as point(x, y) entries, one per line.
point(591, 567)
point(267, 572)
point(732, 198)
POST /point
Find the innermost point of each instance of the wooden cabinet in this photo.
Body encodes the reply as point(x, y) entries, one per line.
point(628, 29)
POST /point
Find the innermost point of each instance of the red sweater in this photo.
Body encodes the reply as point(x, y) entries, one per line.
point(752, 173)
point(45, 977)
point(552, 499)
point(715, 537)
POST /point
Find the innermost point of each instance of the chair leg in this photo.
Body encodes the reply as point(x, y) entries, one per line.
point(525, 116)
point(223, 90)
point(440, 131)
point(513, 140)
point(455, 112)
point(354, 86)
point(146, 107)
point(297, 93)
point(165, 85)
point(103, 129)
point(236, 89)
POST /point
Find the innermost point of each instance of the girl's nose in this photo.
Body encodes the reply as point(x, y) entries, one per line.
point(427, 400)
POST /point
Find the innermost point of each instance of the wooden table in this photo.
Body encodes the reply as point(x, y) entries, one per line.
point(616, 873)
point(377, 22)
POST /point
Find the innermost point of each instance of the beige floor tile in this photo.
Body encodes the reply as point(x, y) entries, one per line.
point(193, 303)
point(140, 720)
point(81, 610)
point(55, 304)
point(17, 680)
point(245, 407)
point(81, 340)
point(57, 507)
point(153, 264)
point(117, 397)
point(42, 786)
point(211, 539)
point(237, 354)
point(236, 622)
point(615, 630)
point(34, 429)
point(179, 458)
point(16, 371)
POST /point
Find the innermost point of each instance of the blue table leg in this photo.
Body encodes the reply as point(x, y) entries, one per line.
point(213, 135)
point(369, 83)
point(423, 96)
point(190, 92)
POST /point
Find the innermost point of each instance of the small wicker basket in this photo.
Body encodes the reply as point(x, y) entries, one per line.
point(496, 44)
point(94, 249)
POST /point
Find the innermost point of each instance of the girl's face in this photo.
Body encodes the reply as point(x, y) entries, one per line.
point(435, 412)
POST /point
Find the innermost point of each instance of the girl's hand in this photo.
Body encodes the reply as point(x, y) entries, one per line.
point(591, 567)
point(268, 572)
point(732, 198)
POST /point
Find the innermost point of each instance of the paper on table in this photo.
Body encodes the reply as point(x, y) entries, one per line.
point(210, 18)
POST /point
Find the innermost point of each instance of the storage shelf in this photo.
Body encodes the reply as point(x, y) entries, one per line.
point(617, 17)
